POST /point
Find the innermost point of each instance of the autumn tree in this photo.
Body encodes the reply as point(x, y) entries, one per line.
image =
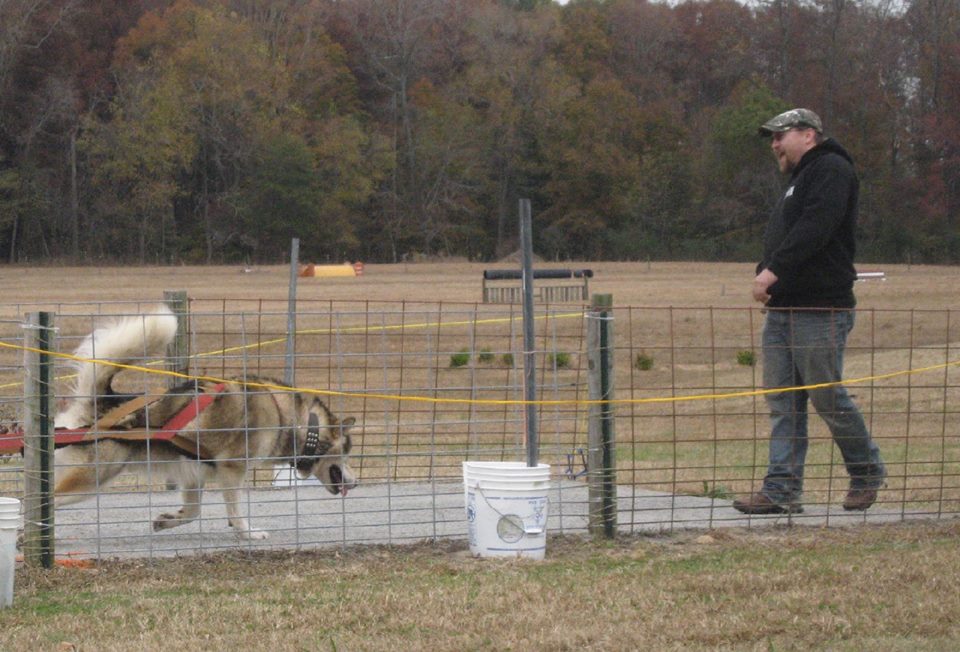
point(517, 88)
point(741, 184)
point(212, 130)
point(403, 44)
point(935, 27)
point(223, 145)
point(54, 62)
point(712, 53)
point(134, 160)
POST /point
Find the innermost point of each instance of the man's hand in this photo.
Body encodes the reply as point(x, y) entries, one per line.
point(761, 285)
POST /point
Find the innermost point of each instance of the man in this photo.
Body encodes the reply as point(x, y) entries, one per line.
point(806, 283)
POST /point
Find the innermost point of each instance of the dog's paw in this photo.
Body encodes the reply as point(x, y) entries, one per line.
point(167, 521)
point(253, 534)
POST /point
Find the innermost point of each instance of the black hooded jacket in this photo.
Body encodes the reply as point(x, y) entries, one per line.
point(809, 240)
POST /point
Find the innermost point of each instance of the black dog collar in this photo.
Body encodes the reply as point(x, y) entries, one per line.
point(311, 447)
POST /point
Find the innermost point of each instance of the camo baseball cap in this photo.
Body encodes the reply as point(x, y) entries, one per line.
point(792, 119)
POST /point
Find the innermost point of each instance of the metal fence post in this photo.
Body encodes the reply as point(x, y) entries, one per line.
point(178, 353)
point(601, 462)
point(289, 371)
point(529, 337)
point(38, 546)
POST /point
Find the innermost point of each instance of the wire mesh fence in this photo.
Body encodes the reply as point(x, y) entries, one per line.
point(900, 369)
point(434, 384)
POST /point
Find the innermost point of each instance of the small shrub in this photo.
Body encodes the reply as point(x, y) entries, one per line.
point(746, 358)
point(506, 359)
point(718, 492)
point(461, 359)
point(485, 356)
point(643, 362)
point(560, 359)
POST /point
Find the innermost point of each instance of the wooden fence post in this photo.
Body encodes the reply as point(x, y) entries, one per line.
point(601, 462)
point(38, 400)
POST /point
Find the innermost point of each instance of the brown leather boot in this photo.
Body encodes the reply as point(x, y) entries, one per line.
point(858, 500)
point(761, 503)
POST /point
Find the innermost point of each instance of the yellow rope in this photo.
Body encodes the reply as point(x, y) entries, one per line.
point(374, 329)
point(469, 401)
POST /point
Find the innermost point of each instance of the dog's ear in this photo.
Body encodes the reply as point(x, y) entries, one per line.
point(347, 424)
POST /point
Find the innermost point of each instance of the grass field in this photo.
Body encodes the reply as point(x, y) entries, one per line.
point(869, 588)
point(880, 588)
point(399, 330)
point(721, 285)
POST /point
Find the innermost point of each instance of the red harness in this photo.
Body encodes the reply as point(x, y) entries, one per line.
point(12, 443)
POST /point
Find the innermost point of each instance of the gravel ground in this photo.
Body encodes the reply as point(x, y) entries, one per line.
point(118, 525)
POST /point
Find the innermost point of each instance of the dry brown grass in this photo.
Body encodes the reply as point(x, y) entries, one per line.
point(393, 331)
point(868, 588)
point(722, 285)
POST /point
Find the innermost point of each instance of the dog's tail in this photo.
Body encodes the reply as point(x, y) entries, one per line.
point(121, 340)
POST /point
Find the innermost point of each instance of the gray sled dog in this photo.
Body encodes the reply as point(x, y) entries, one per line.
point(242, 427)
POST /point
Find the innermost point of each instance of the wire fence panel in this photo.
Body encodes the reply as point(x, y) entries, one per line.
point(709, 443)
point(432, 385)
point(11, 402)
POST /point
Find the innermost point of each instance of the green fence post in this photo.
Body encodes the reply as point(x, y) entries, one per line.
point(601, 459)
point(38, 444)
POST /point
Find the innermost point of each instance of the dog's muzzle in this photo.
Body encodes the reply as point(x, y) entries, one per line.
point(336, 480)
point(313, 450)
point(341, 479)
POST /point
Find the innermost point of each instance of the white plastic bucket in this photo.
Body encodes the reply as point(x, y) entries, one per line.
point(506, 508)
point(9, 524)
point(287, 477)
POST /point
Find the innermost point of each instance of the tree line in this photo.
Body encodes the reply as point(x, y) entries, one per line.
point(208, 131)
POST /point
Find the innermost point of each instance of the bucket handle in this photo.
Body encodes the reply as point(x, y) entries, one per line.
point(531, 532)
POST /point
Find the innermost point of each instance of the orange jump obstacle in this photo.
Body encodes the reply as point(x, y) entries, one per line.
point(346, 269)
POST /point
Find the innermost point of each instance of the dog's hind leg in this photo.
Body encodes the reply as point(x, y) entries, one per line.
point(232, 490)
point(80, 471)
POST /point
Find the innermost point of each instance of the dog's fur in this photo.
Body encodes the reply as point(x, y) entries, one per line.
point(243, 427)
point(120, 340)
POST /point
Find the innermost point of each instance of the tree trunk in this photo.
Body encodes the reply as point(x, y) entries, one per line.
point(13, 239)
point(74, 201)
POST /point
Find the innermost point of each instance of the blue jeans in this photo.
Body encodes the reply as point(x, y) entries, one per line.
point(806, 348)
